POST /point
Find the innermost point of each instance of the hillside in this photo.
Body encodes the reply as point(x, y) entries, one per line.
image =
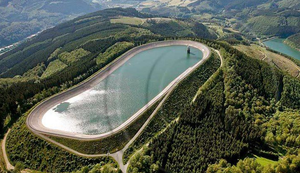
point(254, 17)
point(243, 119)
point(237, 112)
point(258, 18)
point(294, 41)
point(274, 23)
point(70, 52)
point(94, 26)
point(20, 19)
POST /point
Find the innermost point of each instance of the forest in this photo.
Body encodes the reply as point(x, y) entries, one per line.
point(180, 97)
point(21, 19)
point(247, 109)
point(37, 154)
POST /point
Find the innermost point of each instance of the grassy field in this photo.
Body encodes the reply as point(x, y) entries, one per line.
point(36, 71)
point(264, 161)
point(75, 55)
point(53, 67)
point(128, 20)
point(277, 60)
point(203, 16)
point(113, 51)
point(217, 29)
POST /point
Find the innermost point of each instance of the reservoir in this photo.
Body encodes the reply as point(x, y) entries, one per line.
point(124, 92)
point(279, 46)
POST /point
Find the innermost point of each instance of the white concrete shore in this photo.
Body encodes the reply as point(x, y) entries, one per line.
point(34, 120)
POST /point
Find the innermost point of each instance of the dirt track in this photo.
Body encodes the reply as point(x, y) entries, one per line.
point(3, 144)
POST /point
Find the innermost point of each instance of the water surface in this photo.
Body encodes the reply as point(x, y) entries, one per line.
point(279, 45)
point(119, 96)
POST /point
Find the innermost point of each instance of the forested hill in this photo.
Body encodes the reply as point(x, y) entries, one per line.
point(68, 53)
point(294, 41)
point(20, 19)
point(255, 17)
point(246, 115)
point(83, 31)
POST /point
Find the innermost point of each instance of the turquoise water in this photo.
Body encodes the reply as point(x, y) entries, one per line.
point(123, 93)
point(278, 45)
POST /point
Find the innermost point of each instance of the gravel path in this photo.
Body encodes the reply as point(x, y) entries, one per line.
point(7, 163)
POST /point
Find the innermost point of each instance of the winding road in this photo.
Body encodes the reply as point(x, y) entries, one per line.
point(118, 156)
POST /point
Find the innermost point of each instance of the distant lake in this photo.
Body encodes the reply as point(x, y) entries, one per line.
point(119, 96)
point(278, 45)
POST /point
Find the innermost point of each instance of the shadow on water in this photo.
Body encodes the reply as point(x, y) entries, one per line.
point(189, 54)
point(105, 103)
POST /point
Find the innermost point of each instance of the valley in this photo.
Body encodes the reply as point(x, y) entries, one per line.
point(117, 90)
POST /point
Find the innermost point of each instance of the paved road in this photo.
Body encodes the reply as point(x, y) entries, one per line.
point(7, 163)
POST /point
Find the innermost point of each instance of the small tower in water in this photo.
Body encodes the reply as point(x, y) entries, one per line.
point(188, 50)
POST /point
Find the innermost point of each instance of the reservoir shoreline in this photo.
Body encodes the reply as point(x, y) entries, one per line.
point(278, 45)
point(34, 118)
